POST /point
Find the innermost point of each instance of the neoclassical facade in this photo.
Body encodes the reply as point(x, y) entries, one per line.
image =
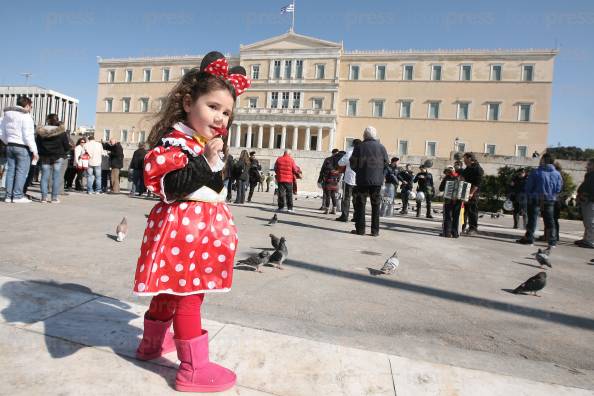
point(313, 95)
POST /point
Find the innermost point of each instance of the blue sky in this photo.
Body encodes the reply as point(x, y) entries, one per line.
point(59, 41)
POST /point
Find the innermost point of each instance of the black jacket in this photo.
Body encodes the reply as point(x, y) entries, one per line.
point(254, 171)
point(406, 178)
point(473, 174)
point(116, 155)
point(137, 162)
point(424, 182)
point(391, 175)
point(369, 161)
point(586, 189)
point(52, 142)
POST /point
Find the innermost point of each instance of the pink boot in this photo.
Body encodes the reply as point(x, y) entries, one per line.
point(196, 373)
point(157, 340)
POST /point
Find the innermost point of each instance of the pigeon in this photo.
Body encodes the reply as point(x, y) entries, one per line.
point(256, 260)
point(273, 220)
point(391, 264)
point(274, 240)
point(122, 230)
point(481, 216)
point(280, 255)
point(534, 284)
point(542, 256)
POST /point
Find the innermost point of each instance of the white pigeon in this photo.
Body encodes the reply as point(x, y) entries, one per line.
point(122, 230)
point(391, 264)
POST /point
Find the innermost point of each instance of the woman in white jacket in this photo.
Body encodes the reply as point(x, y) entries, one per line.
point(17, 131)
point(80, 165)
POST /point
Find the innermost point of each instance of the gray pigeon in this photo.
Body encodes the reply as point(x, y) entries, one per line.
point(391, 264)
point(122, 230)
point(280, 255)
point(273, 220)
point(534, 284)
point(543, 258)
point(255, 261)
point(274, 240)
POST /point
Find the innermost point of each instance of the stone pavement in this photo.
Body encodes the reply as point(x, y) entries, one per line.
point(62, 339)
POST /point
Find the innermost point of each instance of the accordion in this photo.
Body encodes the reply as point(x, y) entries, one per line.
point(457, 189)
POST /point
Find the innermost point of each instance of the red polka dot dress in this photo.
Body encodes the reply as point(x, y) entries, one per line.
point(188, 247)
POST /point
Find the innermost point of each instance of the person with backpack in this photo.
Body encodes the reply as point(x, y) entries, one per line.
point(254, 174)
point(331, 178)
point(240, 170)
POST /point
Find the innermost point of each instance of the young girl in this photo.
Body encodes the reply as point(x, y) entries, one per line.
point(189, 245)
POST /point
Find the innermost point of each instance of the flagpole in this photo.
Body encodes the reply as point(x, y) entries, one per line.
point(293, 23)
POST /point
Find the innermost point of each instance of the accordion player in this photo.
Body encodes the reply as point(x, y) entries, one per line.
point(457, 189)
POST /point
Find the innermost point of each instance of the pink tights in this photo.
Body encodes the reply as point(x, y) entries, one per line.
point(185, 311)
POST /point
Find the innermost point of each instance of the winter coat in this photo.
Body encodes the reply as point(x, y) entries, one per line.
point(137, 162)
point(406, 180)
point(391, 175)
point(17, 128)
point(285, 169)
point(254, 171)
point(52, 142)
point(368, 161)
point(544, 183)
point(424, 182)
point(116, 155)
point(586, 189)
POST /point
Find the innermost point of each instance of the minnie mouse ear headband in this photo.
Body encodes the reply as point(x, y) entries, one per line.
point(216, 64)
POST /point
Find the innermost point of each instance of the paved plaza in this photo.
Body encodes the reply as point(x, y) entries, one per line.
point(442, 324)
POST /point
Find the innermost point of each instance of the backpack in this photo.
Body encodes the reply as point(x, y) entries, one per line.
point(236, 169)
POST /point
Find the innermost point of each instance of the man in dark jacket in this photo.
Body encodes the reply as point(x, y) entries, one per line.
point(116, 162)
point(254, 174)
point(518, 196)
point(542, 187)
point(424, 181)
point(137, 168)
point(405, 176)
point(368, 161)
point(586, 201)
point(473, 174)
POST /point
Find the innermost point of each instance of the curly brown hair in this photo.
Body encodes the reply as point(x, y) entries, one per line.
point(194, 83)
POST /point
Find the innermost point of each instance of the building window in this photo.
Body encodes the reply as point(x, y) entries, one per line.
point(524, 112)
point(403, 147)
point(144, 102)
point(288, 64)
point(253, 103)
point(466, 72)
point(433, 110)
point(495, 73)
point(378, 108)
point(431, 149)
point(255, 72)
point(521, 151)
point(110, 76)
point(124, 137)
point(106, 135)
point(142, 137)
point(109, 105)
point(184, 70)
point(147, 75)
point(351, 108)
point(285, 100)
point(318, 103)
point(126, 105)
point(129, 75)
point(436, 72)
point(527, 72)
point(166, 73)
point(299, 69)
point(462, 113)
point(493, 111)
point(405, 107)
point(461, 147)
point(276, 69)
point(490, 149)
point(296, 100)
point(320, 69)
point(380, 72)
point(274, 100)
point(354, 72)
point(407, 72)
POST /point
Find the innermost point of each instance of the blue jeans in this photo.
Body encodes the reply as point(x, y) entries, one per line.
point(55, 170)
point(3, 172)
point(18, 162)
point(548, 214)
point(94, 175)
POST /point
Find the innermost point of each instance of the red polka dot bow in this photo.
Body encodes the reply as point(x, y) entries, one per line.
point(220, 68)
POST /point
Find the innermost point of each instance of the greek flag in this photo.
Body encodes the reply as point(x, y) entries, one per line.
point(288, 8)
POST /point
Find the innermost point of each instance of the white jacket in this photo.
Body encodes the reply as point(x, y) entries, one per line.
point(17, 127)
point(95, 150)
point(349, 174)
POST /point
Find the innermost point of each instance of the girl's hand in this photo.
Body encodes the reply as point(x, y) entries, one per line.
point(212, 149)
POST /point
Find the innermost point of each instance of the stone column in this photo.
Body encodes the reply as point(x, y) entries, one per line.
point(271, 137)
point(319, 142)
point(331, 144)
point(248, 141)
point(307, 138)
point(260, 135)
point(238, 136)
point(295, 137)
point(284, 137)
